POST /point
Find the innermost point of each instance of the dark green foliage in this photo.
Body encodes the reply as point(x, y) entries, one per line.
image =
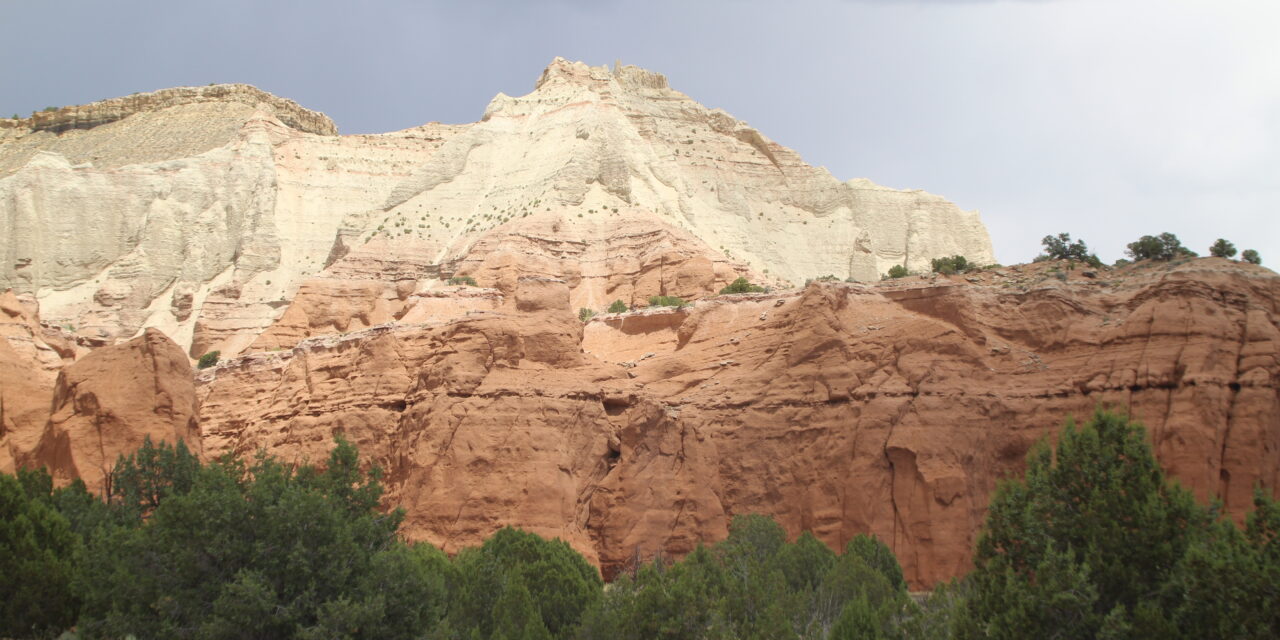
point(1060, 247)
point(1221, 248)
point(742, 286)
point(877, 556)
point(208, 360)
point(1094, 542)
point(463, 280)
point(260, 551)
point(37, 550)
point(618, 306)
point(754, 584)
point(585, 314)
point(667, 301)
point(496, 579)
point(896, 271)
point(1165, 246)
point(1251, 256)
point(950, 265)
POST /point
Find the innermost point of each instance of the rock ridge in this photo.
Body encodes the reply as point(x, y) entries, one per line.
point(87, 116)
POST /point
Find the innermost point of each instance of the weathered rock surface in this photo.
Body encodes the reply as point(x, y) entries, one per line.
point(891, 408)
point(31, 354)
point(105, 405)
point(203, 211)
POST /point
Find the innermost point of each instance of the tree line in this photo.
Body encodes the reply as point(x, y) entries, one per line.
point(1092, 542)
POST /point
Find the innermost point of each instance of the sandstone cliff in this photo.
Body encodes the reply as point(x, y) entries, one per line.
point(205, 211)
point(840, 408)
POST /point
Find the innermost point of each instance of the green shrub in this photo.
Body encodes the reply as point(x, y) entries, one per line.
point(896, 271)
point(463, 280)
point(585, 314)
point(618, 306)
point(950, 265)
point(1222, 248)
point(208, 360)
point(1165, 246)
point(667, 301)
point(1060, 247)
point(742, 286)
point(1251, 256)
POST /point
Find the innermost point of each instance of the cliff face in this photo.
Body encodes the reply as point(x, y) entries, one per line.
point(223, 218)
point(890, 408)
point(205, 211)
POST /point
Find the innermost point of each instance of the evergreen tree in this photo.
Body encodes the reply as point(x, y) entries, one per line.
point(1221, 248)
point(37, 549)
point(1094, 529)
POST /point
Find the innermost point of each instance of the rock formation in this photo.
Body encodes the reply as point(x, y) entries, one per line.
point(205, 211)
point(320, 265)
point(107, 403)
point(841, 408)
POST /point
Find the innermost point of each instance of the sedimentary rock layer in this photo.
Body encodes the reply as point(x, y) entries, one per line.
point(203, 211)
point(840, 408)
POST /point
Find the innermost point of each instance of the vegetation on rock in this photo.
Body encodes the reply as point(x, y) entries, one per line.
point(208, 360)
point(1165, 246)
point(667, 301)
point(1060, 247)
point(618, 306)
point(741, 285)
point(1222, 248)
point(1251, 256)
point(896, 271)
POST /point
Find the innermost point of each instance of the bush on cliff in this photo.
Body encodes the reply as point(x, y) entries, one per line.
point(1060, 247)
point(1251, 256)
point(208, 360)
point(896, 271)
point(741, 285)
point(1165, 246)
point(667, 301)
point(618, 306)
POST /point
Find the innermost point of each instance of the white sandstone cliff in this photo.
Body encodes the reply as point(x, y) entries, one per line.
point(203, 211)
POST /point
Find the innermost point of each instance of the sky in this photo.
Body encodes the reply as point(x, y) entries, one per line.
point(1105, 119)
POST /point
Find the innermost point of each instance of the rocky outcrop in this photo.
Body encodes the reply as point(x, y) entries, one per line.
point(891, 408)
point(203, 211)
point(31, 354)
point(108, 402)
point(103, 112)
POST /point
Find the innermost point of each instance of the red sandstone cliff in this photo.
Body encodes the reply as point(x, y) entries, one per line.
point(891, 408)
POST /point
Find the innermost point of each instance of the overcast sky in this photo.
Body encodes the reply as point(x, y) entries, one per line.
point(1107, 119)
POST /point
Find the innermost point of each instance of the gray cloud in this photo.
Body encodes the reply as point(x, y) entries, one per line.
point(1104, 119)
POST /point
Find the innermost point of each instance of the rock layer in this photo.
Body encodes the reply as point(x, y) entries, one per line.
point(203, 211)
point(107, 403)
point(841, 409)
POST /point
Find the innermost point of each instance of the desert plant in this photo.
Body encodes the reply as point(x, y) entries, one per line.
point(1251, 256)
point(741, 285)
point(618, 306)
point(585, 314)
point(1222, 249)
point(667, 301)
point(208, 360)
point(1165, 246)
point(896, 271)
point(463, 280)
point(950, 265)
